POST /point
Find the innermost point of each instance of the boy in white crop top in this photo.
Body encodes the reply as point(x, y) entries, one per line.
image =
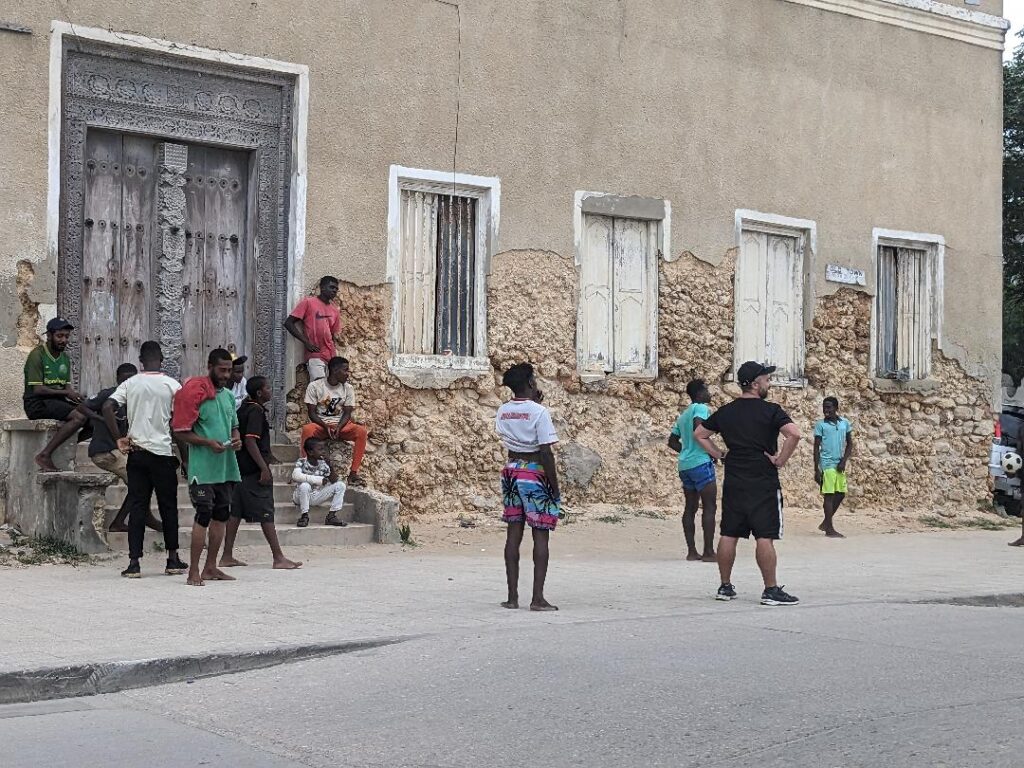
point(529, 481)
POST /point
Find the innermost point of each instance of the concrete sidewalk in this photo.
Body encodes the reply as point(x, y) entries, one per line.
point(58, 615)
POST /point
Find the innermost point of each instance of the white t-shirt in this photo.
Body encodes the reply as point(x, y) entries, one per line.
point(149, 397)
point(330, 401)
point(524, 426)
point(238, 390)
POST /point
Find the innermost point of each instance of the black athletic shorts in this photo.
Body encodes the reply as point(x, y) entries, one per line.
point(251, 501)
point(212, 501)
point(751, 509)
point(56, 408)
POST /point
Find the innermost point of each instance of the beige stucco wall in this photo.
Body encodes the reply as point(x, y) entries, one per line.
point(766, 105)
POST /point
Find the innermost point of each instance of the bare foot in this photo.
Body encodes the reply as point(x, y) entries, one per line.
point(834, 534)
point(542, 605)
point(284, 564)
point(153, 524)
point(692, 557)
point(216, 574)
point(194, 579)
point(1018, 543)
point(513, 604)
point(710, 557)
point(45, 463)
point(230, 562)
point(356, 481)
point(117, 528)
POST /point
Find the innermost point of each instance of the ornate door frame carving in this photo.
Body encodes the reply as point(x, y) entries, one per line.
point(190, 98)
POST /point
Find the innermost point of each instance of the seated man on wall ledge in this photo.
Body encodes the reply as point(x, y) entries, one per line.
point(330, 403)
point(48, 391)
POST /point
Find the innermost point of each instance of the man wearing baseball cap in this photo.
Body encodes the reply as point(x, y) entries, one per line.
point(238, 380)
point(751, 494)
point(48, 390)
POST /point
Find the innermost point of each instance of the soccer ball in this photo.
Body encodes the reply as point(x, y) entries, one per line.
point(1012, 462)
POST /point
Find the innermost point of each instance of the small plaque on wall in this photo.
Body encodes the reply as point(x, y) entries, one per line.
point(847, 275)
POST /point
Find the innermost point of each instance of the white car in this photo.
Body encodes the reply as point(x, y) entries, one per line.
point(1006, 488)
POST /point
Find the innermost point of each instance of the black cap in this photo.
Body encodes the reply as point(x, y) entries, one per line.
point(59, 324)
point(750, 370)
point(240, 360)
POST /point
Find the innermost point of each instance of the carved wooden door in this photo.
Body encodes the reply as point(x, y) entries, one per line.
point(216, 274)
point(120, 185)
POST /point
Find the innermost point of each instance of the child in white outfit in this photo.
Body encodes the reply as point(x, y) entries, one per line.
point(316, 484)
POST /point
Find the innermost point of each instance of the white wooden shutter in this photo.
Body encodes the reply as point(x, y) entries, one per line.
point(751, 287)
point(784, 320)
point(418, 279)
point(913, 312)
point(886, 321)
point(633, 244)
point(595, 325)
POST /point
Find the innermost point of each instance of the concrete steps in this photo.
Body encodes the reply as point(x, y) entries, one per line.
point(286, 514)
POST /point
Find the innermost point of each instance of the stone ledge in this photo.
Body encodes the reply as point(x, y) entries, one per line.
point(896, 387)
point(30, 425)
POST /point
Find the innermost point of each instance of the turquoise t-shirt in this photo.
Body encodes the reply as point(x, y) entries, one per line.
point(692, 454)
point(217, 417)
point(833, 441)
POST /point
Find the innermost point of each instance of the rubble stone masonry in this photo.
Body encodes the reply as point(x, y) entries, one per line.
point(435, 449)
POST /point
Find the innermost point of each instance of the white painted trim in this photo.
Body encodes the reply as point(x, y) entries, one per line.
point(936, 245)
point(807, 231)
point(926, 16)
point(300, 123)
point(665, 247)
point(487, 190)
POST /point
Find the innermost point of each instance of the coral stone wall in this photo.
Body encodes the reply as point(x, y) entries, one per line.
point(436, 449)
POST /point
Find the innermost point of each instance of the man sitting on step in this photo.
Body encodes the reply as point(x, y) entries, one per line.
point(316, 483)
point(330, 403)
point(252, 499)
point(49, 394)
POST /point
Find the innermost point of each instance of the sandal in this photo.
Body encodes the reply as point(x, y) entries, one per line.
point(356, 481)
point(303, 521)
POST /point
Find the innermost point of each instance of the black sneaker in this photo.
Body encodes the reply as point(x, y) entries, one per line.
point(726, 592)
point(333, 519)
point(303, 521)
point(133, 571)
point(175, 567)
point(776, 596)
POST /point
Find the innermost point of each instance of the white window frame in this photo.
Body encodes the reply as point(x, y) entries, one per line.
point(664, 252)
point(935, 246)
point(806, 231)
point(429, 371)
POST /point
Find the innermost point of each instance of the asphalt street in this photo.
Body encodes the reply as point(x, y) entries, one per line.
point(838, 684)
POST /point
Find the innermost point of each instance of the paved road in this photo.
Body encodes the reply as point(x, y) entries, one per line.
point(642, 669)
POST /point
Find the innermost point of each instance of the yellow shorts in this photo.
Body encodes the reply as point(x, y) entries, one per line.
point(833, 481)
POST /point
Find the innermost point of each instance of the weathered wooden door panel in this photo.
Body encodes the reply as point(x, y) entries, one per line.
point(217, 269)
point(596, 295)
point(193, 357)
point(629, 261)
point(101, 253)
point(135, 286)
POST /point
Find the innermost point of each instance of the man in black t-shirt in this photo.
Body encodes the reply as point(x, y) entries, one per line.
point(751, 494)
point(252, 499)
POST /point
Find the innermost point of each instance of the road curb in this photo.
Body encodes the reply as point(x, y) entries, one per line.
point(92, 679)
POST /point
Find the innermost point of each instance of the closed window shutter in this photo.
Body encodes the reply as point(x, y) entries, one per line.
point(784, 319)
point(751, 286)
point(886, 319)
point(633, 240)
point(596, 295)
point(418, 278)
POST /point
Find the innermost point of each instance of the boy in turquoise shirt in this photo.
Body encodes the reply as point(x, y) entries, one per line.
point(833, 445)
point(697, 472)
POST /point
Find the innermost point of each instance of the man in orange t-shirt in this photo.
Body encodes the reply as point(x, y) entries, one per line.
point(315, 322)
